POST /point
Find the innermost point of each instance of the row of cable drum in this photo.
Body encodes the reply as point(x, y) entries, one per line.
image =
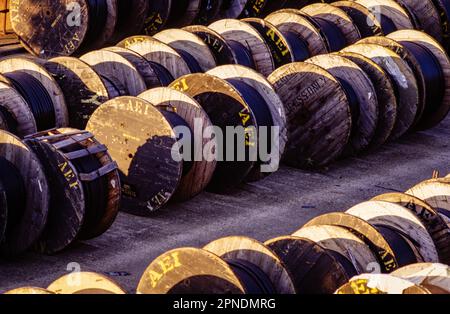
point(395, 243)
point(328, 107)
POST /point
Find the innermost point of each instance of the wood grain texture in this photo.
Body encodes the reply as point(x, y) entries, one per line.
point(232, 9)
point(403, 78)
point(189, 270)
point(249, 37)
point(401, 219)
point(29, 291)
point(318, 114)
point(431, 276)
point(435, 192)
point(88, 283)
point(201, 173)
point(256, 253)
point(364, 126)
point(32, 222)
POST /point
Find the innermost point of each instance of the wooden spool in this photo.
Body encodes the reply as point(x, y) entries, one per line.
point(380, 284)
point(32, 67)
point(131, 18)
point(257, 254)
point(261, 8)
point(318, 114)
point(70, 217)
point(251, 39)
point(189, 271)
point(28, 291)
point(209, 11)
point(413, 64)
point(199, 176)
point(157, 16)
point(274, 104)
point(366, 22)
point(403, 222)
point(85, 283)
point(84, 90)
point(365, 116)
point(17, 109)
point(141, 140)
point(384, 89)
point(435, 224)
point(434, 277)
point(391, 14)
point(435, 192)
point(194, 50)
point(232, 9)
point(404, 81)
point(386, 255)
point(60, 28)
point(225, 107)
point(344, 244)
point(313, 269)
point(335, 16)
point(290, 21)
point(3, 212)
point(444, 14)
point(437, 112)
point(22, 235)
point(157, 52)
point(223, 53)
point(124, 68)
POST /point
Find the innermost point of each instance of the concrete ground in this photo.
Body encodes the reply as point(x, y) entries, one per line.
point(279, 205)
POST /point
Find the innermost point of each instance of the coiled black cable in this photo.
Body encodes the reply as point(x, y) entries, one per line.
point(243, 55)
point(387, 25)
point(192, 63)
point(164, 76)
point(402, 250)
point(115, 88)
point(98, 15)
point(252, 277)
point(9, 119)
point(353, 102)
point(14, 187)
point(433, 74)
point(348, 266)
point(299, 47)
point(37, 98)
point(333, 35)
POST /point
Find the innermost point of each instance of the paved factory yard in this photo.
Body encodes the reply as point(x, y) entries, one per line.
point(276, 206)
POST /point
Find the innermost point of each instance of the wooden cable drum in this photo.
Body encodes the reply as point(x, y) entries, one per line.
point(435, 192)
point(366, 22)
point(312, 268)
point(209, 11)
point(435, 224)
point(63, 27)
point(3, 211)
point(318, 114)
point(405, 83)
point(15, 113)
point(434, 63)
point(248, 42)
point(292, 24)
point(269, 111)
point(381, 284)
point(189, 271)
point(384, 89)
point(284, 49)
point(261, 8)
point(169, 64)
point(391, 14)
point(198, 175)
point(27, 195)
point(223, 53)
point(28, 291)
point(354, 255)
point(396, 218)
point(361, 96)
point(170, 14)
point(227, 108)
point(409, 57)
point(131, 18)
point(387, 253)
point(124, 69)
point(84, 187)
point(141, 139)
point(260, 270)
point(192, 48)
point(84, 89)
point(85, 283)
point(346, 32)
point(443, 8)
point(232, 9)
point(39, 89)
point(427, 16)
point(434, 277)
